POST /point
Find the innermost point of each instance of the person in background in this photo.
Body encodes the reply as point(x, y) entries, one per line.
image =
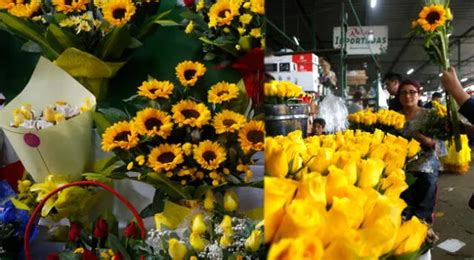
point(391, 82)
point(435, 97)
point(356, 104)
point(318, 126)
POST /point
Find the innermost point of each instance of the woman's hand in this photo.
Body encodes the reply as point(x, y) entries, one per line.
point(453, 86)
point(425, 140)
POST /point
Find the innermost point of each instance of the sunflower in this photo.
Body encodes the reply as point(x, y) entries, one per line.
point(6, 4)
point(118, 12)
point(69, 6)
point(228, 121)
point(153, 122)
point(165, 157)
point(120, 135)
point(187, 112)
point(24, 8)
point(188, 72)
point(431, 17)
point(223, 12)
point(257, 6)
point(209, 154)
point(154, 89)
point(251, 136)
point(222, 92)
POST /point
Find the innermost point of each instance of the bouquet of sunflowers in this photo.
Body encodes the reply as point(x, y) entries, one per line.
point(338, 197)
point(91, 40)
point(182, 140)
point(436, 124)
point(282, 92)
point(387, 120)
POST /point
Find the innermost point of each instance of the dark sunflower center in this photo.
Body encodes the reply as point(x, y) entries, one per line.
point(222, 13)
point(119, 13)
point(223, 92)
point(152, 122)
point(255, 136)
point(189, 74)
point(67, 2)
point(432, 17)
point(153, 90)
point(228, 122)
point(166, 157)
point(209, 156)
point(190, 113)
point(123, 136)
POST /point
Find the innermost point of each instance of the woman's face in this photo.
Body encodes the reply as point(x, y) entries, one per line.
point(409, 95)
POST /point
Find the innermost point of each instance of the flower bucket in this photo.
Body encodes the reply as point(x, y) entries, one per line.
point(38, 208)
point(282, 119)
point(63, 149)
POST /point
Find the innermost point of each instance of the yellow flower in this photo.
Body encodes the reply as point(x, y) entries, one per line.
point(414, 24)
point(228, 121)
point(276, 162)
point(70, 6)
point(209, 200)
point(304, 247)
point(393, 186)
point(431, 17)
point(241, 32)
point(223, 12)
point(256, 32)
point(449, 14)
point(200, 5)
point(209, 154)
point(245, 19)
point(370, 171)
point(226, 240)
point(188, 72)
point(226, 224)
point(337, 183)
point(176, 249)
point(154, 89)
point(196, 241)
point(322, 160)
point(252, 243)
point(251, 136)
point(413, 148)
point(257, 6)
point(187, 112)
point(130, 166)
point(378, 207)
point(231, 201)
point(79, 250)
point(153, 122)
point(222, 92)
point(118, 12)
point(189, 27)
point(7, 4)
point(120, 135)
point(410, 236)
point(312, 187)
point(24, 9)
point(165, 157)
point(198, 226)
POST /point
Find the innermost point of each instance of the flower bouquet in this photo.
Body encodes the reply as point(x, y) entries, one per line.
point(338, 197)
point(434, 25)
point(436, 124)
point(232, 32)
point(388, 121)
point(457, 161)
point(91, 40)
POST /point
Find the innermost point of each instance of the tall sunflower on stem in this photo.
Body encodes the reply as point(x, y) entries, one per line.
point(434, 25)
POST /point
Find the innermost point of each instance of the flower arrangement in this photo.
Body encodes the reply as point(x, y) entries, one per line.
point(387, 120)
point(457, 161)
point(185, 142)
point(282, 92)
point(91, 40)
point(434, 25)
point(436, 124)
point(338, 196)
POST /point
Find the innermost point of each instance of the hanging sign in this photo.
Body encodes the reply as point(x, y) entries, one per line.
point(369, 40)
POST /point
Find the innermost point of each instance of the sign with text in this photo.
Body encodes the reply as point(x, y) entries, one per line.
point(371, 39)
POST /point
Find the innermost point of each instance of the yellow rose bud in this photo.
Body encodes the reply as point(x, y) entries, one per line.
point(226, 224)
point(79, 250)
point(253, 241)
point(188, 148)
point(226, 240)
point(198, 226)
point(209, 200)
point(140, 160)
point(413, 148)
point(176, 249)
point(196, 241)
point(370, 171)
point(231, 201)
point(129, 166)
point(410, 236)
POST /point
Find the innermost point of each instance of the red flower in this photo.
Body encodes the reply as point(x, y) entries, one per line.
point(188, 3)
point(88, 255)
point(117, 256)
point(130, 230)
point(74, 231)
point(53, 256)
point(101, 228)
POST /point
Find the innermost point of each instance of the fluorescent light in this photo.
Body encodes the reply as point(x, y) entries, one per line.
point(410, 71)
point(296, 41)
point(428, 82)
point(373, 3)
point(441, 74)
point(464, 79)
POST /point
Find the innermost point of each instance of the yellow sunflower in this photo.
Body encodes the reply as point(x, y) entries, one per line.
point(154, 89)
point(6, 4)
point(118, 12)
point(153, 122)
point(24, 8)
point(188, 72)
point(431, 17)
point(228, 121)
point(223, 12)
point(120, 135)
point(222, 92)
point(165, 157)
point(69, 6)
point(251, 136)
point(257, 6)
point(209, 155)
point(187, 112)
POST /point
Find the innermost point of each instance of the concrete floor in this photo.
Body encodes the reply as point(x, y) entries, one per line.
point(454, 217)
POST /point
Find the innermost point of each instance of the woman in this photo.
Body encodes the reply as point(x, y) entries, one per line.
point(421, 195)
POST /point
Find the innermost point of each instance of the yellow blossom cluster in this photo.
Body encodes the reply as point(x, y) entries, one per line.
point(281, 91)
point(388, 118)
point(441, 110)
point(344, 199)
point(457, 162)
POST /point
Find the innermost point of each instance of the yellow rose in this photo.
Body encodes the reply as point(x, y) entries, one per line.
point(196, 241)
point(369, 172)
point(304, 247)
point(384, 206)
point(209, 200)
point(198, 226)
point(226, 240)
point(312, 187)
point(176, 249)
point(322, 159)
point(231, 201)
point(351, 213)
point(226, 224)
point(336, 183)
point(342, 248)
point(377, 151)
point(410, 236)
point(276, 162)
point(413, 148)
point(377, 239)
point(393, 186)
point(253, 242)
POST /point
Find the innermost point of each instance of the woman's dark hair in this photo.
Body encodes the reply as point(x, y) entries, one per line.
point(320, 121)
point(412, 82)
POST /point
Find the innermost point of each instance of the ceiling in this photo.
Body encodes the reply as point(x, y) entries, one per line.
point(312, 22)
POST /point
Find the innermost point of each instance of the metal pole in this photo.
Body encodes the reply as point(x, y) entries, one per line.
point(343, 70)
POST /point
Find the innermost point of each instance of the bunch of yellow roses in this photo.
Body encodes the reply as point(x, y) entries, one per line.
point(458, 162)
point(280, 92)
point(387, 120)
point(343, 198)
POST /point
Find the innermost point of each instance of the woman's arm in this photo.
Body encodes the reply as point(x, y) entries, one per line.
point(425, 140)
point(453, 86)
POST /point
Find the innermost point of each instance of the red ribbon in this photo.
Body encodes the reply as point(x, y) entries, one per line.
point(252, 69)
point(12, 173)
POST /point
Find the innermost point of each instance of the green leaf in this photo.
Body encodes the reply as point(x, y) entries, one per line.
point(113, 114)
point(408, 256)
point(114, 44)
point(156, 206)
point(115, 245)
point(209, 56)
point(224, 40)
point(149, 23)
point(104, 163)
point(166, 22)
point(201, 191)
point(101, 122)
point(172, 189)
point(64, 38)
point(135, 43)
point(196, 18)
point(92, 176)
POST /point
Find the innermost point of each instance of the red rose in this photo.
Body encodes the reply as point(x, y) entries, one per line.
point(53, 256)
point(88, 255)
point(188, 3)
point(101, 228)
point(117, 256)
point(130, 230)
point(74, 231)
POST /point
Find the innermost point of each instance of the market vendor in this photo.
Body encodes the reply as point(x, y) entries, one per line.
point(392, 82)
